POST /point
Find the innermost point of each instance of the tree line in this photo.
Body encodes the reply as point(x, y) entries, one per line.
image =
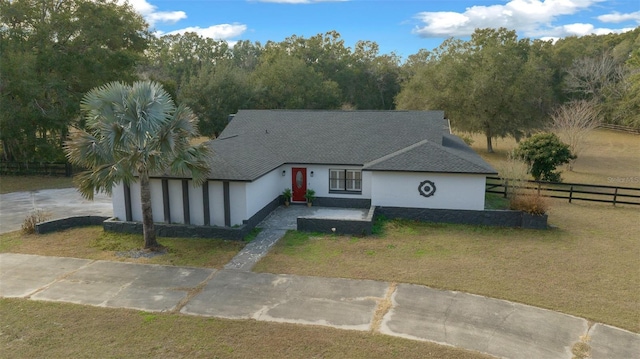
point(53, 52)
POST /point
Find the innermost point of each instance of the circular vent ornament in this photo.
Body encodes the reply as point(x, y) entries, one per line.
point(427, 188)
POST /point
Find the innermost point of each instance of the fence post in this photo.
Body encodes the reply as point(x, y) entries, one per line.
point(506, 187)
point(615, 196)
point(570, 193)
point(538, 188)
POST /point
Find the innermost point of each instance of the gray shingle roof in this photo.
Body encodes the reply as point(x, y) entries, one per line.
point(258, 141)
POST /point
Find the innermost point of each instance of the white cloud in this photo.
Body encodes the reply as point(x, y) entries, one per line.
point(617, 17)
point(581, 29)
point(216, 32)
point(152, 16)
point(533, 18)
point(299, 1)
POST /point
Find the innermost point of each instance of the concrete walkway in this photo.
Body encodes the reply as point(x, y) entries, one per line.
point(58, 203)
point(496, 327)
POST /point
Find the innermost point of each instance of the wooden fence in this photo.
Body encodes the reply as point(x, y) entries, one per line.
point(41, 169)
point(627, 129)
point(569, 191)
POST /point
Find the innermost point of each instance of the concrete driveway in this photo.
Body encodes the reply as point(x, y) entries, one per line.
point(59, 203)
point(496, 327)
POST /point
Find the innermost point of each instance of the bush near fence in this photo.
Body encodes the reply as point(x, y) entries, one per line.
point(569, 191)
point(37, 168)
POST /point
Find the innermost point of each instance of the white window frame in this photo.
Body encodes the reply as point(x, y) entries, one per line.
point(336, 180)
point(345, 180)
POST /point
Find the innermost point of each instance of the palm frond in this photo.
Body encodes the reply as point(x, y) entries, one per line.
point(193, 162)
point(132, 130)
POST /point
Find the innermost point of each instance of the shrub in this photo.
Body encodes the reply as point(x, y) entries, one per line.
point(35, 217)
point(529, 202)
point(543, 152)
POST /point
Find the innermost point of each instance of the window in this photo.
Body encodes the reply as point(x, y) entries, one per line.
point(345, 180)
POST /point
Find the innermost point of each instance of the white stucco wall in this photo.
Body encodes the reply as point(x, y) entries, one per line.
point(264, 190)
point(156, 200)
point(136, 209)
point(216, 203)
point(196, 205)
point(117, 200)
point(175, 201)
point(320, 180)
point(453, 191)
point(238, 202)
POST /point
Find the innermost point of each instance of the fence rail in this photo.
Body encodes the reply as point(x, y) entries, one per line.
point(36, 168)
point(627, 129)
point(570, 191)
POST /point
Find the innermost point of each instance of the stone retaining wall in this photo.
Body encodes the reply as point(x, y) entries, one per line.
point(179, 230)
point(69, 222)
point(342, 202)
point(338, 226)
point(500, 218)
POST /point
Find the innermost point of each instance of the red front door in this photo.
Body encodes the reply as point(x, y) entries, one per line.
point(299, 184)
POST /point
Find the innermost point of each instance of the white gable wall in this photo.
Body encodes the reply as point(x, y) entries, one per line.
point(453, 191)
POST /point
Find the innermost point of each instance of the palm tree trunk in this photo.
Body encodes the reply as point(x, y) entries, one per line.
point(148, 228)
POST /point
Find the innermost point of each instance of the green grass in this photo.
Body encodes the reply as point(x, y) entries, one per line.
point(495, 201)
point(94, 243)
point(587, 266)
point(32, 183)
point(32, 329)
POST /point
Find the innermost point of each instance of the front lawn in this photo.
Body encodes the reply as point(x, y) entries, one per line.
point(32, 329)
point(588, 266)
point(94, 243)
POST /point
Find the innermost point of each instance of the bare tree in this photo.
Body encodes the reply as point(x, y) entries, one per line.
point(590, 76)
point(572, 122)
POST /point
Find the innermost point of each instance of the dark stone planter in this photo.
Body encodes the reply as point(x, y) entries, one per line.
point(499, 218)
point(179, 230)
point(69, 222)
point(338, 226)
point(533, 221)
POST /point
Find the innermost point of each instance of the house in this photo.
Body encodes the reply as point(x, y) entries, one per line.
point(393, 159)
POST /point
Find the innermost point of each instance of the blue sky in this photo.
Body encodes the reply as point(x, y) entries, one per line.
point(403, 26)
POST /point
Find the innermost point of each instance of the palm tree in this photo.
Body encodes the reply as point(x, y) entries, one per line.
point(135, 131)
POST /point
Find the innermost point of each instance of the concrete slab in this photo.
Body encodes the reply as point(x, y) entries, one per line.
point(23, 274)
point(339, 213)
point(613, 343)
point(126, 285)
point(491, 326)
point(334, 302)
point(59, 203)
point(286, 217)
